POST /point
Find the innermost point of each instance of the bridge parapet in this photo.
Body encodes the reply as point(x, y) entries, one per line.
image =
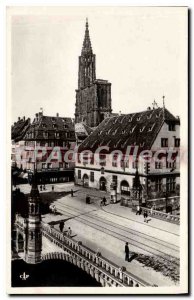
point(162, 215)
point(104, 271)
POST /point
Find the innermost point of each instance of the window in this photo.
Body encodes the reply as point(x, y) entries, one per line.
point(125, 163)
point(57, 134)
point(171, 127)
point(43, 166)
point(170, 184)
point(60, 165)
point(79, 174)
point(171, 165)
point(114, 160)
point(45, 134)
point(158, 165)
point(142, 129)
point(92, 176)
point(158, 184)
point(164, 142)
point(49, 165)
point(114, 179)
point(150, 127)
point(134, 164)
point(102, 159)
point(177, 142)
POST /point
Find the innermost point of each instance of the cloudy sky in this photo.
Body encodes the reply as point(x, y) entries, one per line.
point(141, 51)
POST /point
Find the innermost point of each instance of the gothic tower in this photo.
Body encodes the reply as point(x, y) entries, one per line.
point(93, 96)
point(33, 226)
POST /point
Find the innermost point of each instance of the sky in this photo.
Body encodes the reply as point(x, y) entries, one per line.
point(141, 51)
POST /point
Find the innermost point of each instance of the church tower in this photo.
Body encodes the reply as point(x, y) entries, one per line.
point(93, 96)
point(87, 63)
point(33, 226)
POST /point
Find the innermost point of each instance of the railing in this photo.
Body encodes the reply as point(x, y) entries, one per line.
point(105, 272)
point(162, 215)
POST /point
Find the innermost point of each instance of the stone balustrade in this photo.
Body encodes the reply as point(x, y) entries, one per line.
point(162, 215)
point(104, 271)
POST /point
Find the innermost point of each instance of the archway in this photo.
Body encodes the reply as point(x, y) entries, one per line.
point(85, 180)
point(102, 184)
point(125, 190)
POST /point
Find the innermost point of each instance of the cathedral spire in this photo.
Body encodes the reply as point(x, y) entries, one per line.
point(87, 46)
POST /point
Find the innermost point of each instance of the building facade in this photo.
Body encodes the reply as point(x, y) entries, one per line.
point(43, 147)
point(93, 96)
point(109, 158)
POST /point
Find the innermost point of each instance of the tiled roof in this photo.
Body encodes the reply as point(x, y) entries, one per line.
point(139, 128)
point(52, 126)
point(19, 129)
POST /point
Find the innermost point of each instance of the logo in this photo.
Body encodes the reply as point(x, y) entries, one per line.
point(24, 276)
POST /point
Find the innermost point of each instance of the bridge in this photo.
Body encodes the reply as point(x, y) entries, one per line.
point(97, 266)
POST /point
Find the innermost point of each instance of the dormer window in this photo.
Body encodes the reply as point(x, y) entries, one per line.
point(115, 131)
point(45, 134)
point(132, 129)
point(57, 134)
point(115, 120)
point(123, 131)
point(100, 132)
point(142, 129)
point(65, 126)
point(150, 128)
point(149, 116)
point(54, 126)
point(171, 127)
point(53, 119)
point(142, 144)
point(43, 125)
point(138, 118)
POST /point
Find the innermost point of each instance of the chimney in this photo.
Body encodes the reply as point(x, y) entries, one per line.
point(149, 108)
point(57, 114)
point(18, 118)
point(119, 112)
point(24, 118)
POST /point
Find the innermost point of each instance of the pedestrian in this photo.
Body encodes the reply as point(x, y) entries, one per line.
point(61, 226)
point(41, 187)
point(69, 232)
point(138, 210)
point(104, 201)
point(71, 193)
point(52, 187)
point(54, 209)
point(145, 216)
point(44, 187)
point(151, 211)
point(126, 252)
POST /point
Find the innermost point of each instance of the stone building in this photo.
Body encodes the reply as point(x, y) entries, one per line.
point(93, 96)
point(120, 142)
point(45, 142)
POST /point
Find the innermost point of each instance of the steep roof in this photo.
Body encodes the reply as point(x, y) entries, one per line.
point(51, 125)
point(19, 129)
point(139, 128)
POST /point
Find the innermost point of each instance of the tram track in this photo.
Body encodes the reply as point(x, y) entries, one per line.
point(121, 236)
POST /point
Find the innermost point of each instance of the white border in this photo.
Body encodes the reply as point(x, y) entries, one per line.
point(2, 111)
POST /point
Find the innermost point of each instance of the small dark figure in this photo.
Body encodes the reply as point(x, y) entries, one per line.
point(87, 199)
point(104, 201)
point(71, 193)
point(41, 187)
point(61, 226)
point(52, 187)
point(126, 252)
point(44, 187)
point(145, 214)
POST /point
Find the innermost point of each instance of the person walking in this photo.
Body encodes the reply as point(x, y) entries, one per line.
point(71, 193)
point(104, 201)
point(126, 252)
point(69, 232)
point(52, 188)
point(41, 188)
point(138, 210)
point(61, 226)
point(145, 216)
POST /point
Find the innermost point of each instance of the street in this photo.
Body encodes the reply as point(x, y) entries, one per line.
point(154, 246)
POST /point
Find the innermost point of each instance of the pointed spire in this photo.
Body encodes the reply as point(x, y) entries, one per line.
point(87, 46)
point(163, 108)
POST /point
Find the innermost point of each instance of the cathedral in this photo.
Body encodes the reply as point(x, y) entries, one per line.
point(93, 96)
